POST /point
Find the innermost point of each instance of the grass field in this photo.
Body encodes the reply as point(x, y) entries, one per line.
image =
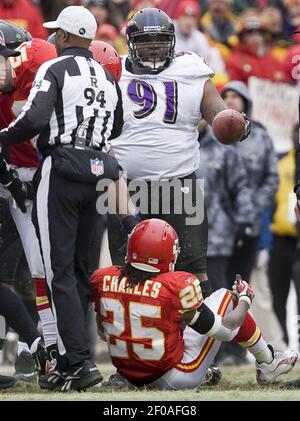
point(237, 384)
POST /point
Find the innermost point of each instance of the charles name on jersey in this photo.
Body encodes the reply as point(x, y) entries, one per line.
point(112, 283)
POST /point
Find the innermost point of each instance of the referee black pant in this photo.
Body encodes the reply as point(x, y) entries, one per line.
point(65, 215)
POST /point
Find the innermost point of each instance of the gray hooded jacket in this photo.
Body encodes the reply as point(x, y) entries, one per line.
point(227, 194)
point(259, 157)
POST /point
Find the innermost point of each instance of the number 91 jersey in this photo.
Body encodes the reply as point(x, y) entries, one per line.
point(142, 324)
point(161, 115)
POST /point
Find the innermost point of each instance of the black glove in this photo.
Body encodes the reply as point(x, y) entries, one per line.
point(206, 288)
point(248, 127)
point(20, 190)
point(243, 232)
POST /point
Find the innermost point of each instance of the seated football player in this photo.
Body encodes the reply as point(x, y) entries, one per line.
point(141, 308)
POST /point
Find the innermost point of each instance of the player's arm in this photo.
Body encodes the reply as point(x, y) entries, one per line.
point(36, 112)
point(123, 208)
point(206, 322)
point(100, 329)
point(212, 102)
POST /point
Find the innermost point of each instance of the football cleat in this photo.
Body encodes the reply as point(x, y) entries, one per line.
point(115, 381)
point(52, 353)
point(81, 377)
point(282, 363)
point(294, 383)
point(212, 376)
point(41, 359)
point(7, 381)
point(54, 380)
point(25, 367)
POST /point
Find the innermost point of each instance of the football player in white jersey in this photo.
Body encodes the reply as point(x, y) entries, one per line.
point(164, 98)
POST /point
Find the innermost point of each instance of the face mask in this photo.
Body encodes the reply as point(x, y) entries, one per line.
point(6, 84)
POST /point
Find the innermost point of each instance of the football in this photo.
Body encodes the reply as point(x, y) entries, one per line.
point(228, 126)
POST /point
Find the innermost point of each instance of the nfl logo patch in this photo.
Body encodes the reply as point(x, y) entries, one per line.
point(97, 167)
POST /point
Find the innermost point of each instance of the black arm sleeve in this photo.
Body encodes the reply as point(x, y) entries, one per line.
point(205, 320)
point(118, 116)
point(36, 112)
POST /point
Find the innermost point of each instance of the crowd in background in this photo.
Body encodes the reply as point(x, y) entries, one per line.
point(238, 38)
point(249, 187)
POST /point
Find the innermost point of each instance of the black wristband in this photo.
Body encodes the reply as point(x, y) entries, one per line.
point(129, 222)
point(206, 288)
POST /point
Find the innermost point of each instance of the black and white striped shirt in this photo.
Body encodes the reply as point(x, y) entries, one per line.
point(72, 95)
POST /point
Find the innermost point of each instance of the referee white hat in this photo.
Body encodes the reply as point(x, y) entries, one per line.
point(76, 20)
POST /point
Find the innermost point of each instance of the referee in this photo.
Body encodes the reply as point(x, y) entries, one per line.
point(76, 107)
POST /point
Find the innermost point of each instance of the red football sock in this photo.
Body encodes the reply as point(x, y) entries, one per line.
point(249, 333)
point(47, 318)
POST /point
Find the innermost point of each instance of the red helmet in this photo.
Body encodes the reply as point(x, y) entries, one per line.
point(107, 56)
point(153, 246)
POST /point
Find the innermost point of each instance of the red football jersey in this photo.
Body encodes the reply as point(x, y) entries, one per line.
point(142, 324)
point(24, 67)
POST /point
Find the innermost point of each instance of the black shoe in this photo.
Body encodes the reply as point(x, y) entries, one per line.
point(294, 383)
point(115, 381)
point(52, 352)
point(25, 367)
point(212, 376)
point(53, 380)
point(81, 377)
point(41, 359)
point(7, 381)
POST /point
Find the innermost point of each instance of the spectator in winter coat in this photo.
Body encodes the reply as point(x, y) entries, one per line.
point(25, 14)
point(189, 38)
point(261, 164)
point(252, 55)
point(228, 200)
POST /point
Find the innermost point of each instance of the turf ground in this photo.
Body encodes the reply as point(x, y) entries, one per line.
point(237, 384)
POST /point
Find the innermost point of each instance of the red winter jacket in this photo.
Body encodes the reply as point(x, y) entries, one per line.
point(244, 63)
point(25, 14)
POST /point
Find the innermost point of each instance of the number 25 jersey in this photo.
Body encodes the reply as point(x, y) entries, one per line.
point(142, 324)
point(161, 115)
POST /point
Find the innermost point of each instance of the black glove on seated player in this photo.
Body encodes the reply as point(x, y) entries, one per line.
point(20, 190)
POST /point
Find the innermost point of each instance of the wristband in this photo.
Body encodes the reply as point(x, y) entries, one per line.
point(247, 299)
